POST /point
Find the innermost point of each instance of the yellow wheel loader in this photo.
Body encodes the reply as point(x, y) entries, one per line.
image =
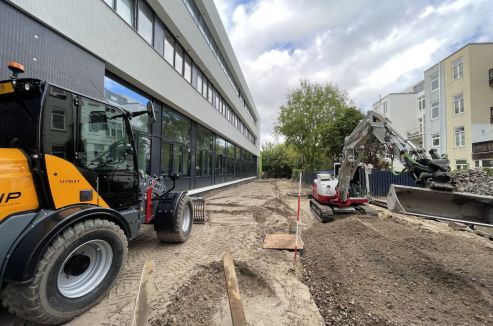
point(71, 196)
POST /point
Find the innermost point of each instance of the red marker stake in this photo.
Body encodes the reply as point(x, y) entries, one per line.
point(297, 220)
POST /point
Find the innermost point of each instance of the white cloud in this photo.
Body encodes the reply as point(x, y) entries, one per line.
point(367, 48)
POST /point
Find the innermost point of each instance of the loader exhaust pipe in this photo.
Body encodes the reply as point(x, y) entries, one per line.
point(450, 206)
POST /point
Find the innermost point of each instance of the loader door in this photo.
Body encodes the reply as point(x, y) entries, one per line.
point(106, 154)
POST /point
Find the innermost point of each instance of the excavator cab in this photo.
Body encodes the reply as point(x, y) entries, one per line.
point(359, 184)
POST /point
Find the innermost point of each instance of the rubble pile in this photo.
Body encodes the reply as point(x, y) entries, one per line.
point(474, 181)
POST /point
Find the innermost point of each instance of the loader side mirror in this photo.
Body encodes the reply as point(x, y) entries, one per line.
point(150, 111)
point(174, 176)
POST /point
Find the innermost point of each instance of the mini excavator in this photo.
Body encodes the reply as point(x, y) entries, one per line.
point(433, 195)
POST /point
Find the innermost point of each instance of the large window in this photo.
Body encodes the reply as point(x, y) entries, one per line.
point(434, 81)
point(176, 127)
point(457, 69)
point(203, 152)
point(435, 140)
point(124, 97)
point(125, 8)
point(145, 21)
point(166, 162)
point(209, 92)
point(169, 47)
point(421, 103)
point(176, 132)
point(487, 163)
point(179, 59)
point(435, 111)
point(459, 103)
point(460, 138)
point(187, 73)
point(220, 156)
point(200, 82)
point(230, 158)
point(461, 164)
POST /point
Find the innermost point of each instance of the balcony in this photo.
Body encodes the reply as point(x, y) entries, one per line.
point(412, 133)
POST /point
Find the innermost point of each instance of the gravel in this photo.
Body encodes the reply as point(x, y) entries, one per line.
point(474, 181)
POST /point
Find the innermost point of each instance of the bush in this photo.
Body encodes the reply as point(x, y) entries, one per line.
point(278, 160)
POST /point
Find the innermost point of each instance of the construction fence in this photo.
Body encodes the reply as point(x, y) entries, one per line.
point(380, 181)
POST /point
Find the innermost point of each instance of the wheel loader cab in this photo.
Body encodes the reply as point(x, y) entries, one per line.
point(68, 189)
point(83, 144)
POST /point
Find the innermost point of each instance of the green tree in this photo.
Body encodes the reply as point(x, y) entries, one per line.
point(336, 130)
point(307, 117)
point(278, 160)
point(375, 154)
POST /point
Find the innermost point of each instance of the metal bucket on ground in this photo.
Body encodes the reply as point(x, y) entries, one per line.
point(199, 216)
point(451, 206)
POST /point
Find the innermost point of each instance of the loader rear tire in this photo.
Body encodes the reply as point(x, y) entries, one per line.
point(180, 228)
point(76, 271)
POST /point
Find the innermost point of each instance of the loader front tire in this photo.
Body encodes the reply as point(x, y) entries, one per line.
point(179, 229)
point(76, 271)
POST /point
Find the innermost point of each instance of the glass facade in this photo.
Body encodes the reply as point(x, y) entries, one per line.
point(204, 30)
point(153, 30)
point(183, 145)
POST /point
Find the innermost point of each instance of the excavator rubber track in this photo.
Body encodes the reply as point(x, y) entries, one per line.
point(323, 213)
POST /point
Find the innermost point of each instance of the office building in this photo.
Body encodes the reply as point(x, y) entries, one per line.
point(128, 52)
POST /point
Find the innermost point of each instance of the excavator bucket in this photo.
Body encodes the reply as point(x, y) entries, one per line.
point(451, 206)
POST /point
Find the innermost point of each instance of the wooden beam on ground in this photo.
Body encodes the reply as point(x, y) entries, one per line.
point(235, 305)
point(282, 241)
point(143, 302)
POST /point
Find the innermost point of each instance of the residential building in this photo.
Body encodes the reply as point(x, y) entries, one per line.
point(434, 112)
point(416, 134)
point(400, 109)
point(128, 52)
point(460, 107)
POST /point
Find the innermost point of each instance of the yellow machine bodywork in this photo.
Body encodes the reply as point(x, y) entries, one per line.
point(17, 191)
point(66, 183)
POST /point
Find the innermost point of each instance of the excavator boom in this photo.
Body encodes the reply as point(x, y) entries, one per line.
point(434, 194)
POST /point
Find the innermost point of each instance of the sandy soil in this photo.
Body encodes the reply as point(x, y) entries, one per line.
point(399, 271)
point(189, 279)
point(358, 270)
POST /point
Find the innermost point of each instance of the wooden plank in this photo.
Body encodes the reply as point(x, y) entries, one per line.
point(235, 305)
point(143, 302)
point(282, 241)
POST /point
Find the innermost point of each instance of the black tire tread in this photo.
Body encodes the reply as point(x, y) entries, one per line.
point(175, 234)
point(24, 300)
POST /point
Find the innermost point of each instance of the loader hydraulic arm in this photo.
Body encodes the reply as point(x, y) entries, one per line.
point(428, 172)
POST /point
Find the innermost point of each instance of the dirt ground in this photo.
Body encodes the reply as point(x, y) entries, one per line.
point(189, 280)
point(399, 271)
point(387, 270)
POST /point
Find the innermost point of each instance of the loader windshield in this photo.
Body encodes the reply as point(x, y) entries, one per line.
point(19, 117)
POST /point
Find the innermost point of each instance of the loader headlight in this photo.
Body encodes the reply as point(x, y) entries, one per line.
point(27, 86)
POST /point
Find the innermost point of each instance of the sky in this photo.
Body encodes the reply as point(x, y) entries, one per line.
point(365, 47)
